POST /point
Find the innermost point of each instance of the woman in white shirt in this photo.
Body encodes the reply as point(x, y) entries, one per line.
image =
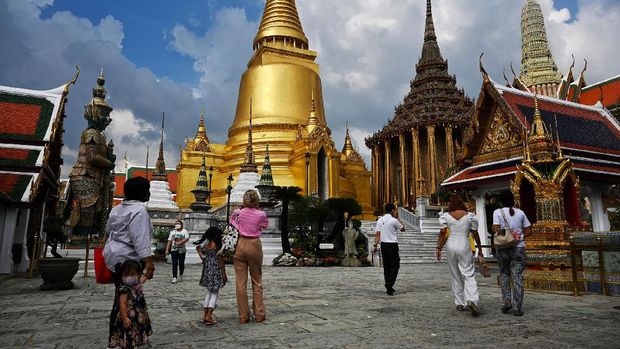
point(511, 261)
point(176, 247)
point(458, 249)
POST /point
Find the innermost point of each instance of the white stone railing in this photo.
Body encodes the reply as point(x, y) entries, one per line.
point(409, 218)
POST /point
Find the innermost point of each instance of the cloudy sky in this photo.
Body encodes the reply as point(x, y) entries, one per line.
point(177, 56)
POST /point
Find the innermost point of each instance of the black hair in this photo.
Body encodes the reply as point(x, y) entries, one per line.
point(507, 199)
point(212, 234)
point(137, 188)
point(389, 208)
point(132, 267)
point(180, 222)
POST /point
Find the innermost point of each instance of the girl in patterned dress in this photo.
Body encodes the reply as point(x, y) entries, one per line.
point(213, 270)
point(132, 325)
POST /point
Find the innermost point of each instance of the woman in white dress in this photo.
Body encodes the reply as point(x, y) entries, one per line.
point(460, 258)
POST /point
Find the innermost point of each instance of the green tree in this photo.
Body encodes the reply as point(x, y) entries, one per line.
point(287, 195)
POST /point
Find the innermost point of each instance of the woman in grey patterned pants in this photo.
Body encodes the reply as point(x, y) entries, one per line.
point(511, 260)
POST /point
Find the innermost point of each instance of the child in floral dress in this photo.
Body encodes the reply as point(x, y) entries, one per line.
point(132, 325)
point(213, 271)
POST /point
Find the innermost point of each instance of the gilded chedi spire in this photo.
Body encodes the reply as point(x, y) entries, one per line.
point(201, 141)
point(538, 70)
point(348, 152)
point(281, 20)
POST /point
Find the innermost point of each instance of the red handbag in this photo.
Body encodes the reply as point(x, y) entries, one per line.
point(103, 275)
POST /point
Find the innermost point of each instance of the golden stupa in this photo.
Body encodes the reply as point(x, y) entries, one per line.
point(281, 88)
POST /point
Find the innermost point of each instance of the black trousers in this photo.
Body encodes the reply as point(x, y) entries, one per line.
point(391, 263)
point(178, 261)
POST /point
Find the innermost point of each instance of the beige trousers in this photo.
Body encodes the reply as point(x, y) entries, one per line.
point(249, 256)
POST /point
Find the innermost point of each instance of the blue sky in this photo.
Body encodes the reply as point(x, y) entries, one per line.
point(177, 56)
point(147, 26)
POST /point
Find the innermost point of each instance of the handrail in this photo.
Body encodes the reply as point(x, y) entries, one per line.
point(409, 218)
point(575, 248)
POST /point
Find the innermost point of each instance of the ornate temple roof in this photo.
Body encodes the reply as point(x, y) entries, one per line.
point(589, 136)
point(201, 141)
point(348, 152)
point(434, 97)
point(280, 19)
point(30, 120)
point(537, 65)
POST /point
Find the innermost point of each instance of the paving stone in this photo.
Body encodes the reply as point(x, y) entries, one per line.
point(310, 308)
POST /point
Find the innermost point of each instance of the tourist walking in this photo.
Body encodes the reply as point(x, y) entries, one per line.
point(458, 249)
point(129, 232)
point(387, 234)
point(132, 325)
point(511, 260)
point(213, 271)
point(250, 221)
point(177, 249)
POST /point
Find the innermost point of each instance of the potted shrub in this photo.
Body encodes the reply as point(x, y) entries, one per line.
point(160, 239)
point(56, 272)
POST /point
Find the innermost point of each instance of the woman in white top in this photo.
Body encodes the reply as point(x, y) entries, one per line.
point(460, 259)
point(176, 247)
point(511, 261)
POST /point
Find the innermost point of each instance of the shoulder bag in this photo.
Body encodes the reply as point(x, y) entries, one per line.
point(504, 238)
point(230, 238)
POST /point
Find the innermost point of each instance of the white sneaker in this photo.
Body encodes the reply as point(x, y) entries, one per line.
point(174, 280)
point(180, 278)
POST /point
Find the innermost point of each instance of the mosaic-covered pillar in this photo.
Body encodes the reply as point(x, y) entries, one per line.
point(432, 159)
point(403, 170)
point(387, 172)
point(449, 146)
point(415, 135)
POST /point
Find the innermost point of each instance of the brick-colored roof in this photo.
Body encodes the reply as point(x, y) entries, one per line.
point(119, 179)
point(27, 119)
point(15, 187)
point(611, 92)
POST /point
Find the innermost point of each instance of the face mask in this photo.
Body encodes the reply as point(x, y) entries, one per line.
point(177, 226)
point(130, 280)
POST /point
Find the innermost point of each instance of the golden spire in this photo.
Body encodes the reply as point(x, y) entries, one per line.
point(557, 139)
point(201, 141)
point(313, 119)
point(348, 145)
point(539, 131)
point(281, 20)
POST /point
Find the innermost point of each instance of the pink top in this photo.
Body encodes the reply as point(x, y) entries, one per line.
point(250, 221)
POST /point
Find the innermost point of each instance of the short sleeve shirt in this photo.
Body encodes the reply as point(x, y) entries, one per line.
point(177, 235)
point(516, 222)
point(388, 226)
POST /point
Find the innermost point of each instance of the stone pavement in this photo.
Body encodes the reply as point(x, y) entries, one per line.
point(311, 308)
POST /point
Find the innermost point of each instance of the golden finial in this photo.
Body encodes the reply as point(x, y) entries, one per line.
point(538, 125)
point(485, 75)
point(72, 81)
point(557, 138)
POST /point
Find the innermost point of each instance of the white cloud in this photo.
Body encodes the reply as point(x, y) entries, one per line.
point(559, 16)
point(132, 136)
point(41, 53)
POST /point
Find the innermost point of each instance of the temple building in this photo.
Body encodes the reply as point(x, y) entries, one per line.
point(416, 149)
point(281, 92)
point(31, 139)
point(559, 156)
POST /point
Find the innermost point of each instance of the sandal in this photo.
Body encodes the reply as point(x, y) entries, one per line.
point(210, 322)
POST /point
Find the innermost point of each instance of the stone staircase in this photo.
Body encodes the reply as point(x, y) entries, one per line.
point(417, 245)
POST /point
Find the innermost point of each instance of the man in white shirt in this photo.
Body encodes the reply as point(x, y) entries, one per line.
point(387, 234)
